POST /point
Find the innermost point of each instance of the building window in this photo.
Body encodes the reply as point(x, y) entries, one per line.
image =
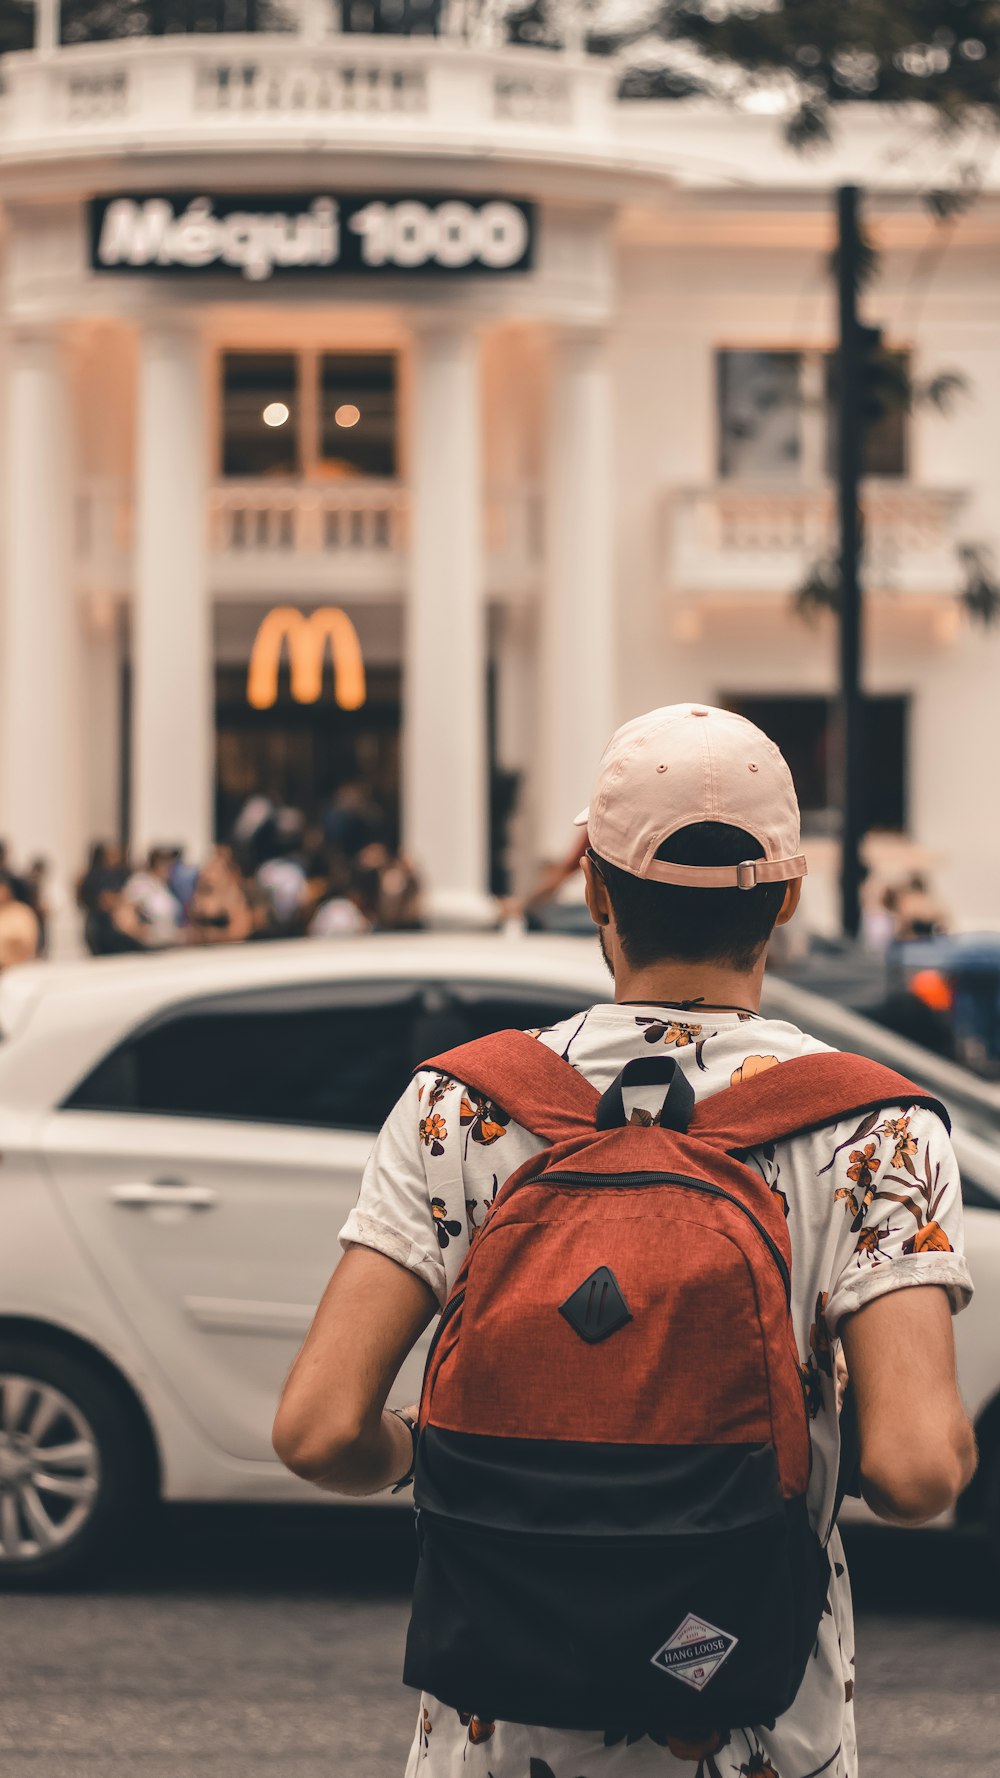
point(309, 414)
point(101, 21)
point(357, 408)
point(260, 414)
point(777, 416)
point(804, 730)
point(394, 18)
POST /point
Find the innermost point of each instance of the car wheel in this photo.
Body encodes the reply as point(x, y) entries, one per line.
point(72, 1471)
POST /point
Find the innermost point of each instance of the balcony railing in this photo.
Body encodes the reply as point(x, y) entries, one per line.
point(142, 92)
point(741, 539)
point(257, 518)
point(307, 537)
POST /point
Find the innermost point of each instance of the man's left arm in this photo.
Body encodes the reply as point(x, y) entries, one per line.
point(332, 1427)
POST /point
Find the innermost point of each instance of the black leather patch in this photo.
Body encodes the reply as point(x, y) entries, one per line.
point(597, 1307)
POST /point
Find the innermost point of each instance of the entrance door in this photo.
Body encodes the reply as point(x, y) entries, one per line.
point(298, 754)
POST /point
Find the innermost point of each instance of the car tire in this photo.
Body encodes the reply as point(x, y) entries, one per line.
point(74, 1472)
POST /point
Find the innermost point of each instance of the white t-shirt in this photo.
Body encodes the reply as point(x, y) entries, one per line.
point(435, 1169)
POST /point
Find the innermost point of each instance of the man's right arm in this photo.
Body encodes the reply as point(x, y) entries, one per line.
point(918, 1451)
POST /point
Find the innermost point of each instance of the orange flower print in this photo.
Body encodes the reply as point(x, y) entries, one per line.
point(433, 1131)
point(869, 1244)
point(673, 1033)
point(758, 1766)
point(812, 1386)
point(479, 1730)
point(750, 1066)
point(819, 1337)
point(904, 1151)
point(861, 1169)
point(930, 1239)
point(695, 1750)
point(858, 1196)
point(485, 1122)
point(444, 1227)
point(677, 1034)
point(426, 1730)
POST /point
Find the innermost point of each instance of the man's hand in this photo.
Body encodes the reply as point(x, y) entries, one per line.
point(918, 1451)
point(331, 1427)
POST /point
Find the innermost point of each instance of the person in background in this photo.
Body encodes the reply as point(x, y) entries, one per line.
point(282, 877)
point(149, 894)
point(553, 876)
point(20, 932)
point(918, 913)
point(183, 879)
point(219, 911)
point(351, 821)
point(37, 898)
point(339, 913)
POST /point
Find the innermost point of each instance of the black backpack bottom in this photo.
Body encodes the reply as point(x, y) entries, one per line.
point(677, 1632)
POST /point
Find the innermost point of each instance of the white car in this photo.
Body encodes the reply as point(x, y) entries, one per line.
point(182, 1139)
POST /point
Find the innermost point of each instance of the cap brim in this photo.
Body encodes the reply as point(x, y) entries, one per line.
point(582, 818)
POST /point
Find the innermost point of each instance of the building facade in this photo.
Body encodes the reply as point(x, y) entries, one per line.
point(386, 338)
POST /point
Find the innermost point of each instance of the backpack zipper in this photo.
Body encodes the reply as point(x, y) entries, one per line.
point(682, 1179)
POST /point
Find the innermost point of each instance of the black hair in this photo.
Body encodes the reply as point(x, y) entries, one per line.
point(656, 921)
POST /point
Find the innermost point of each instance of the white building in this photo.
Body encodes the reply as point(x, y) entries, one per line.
point(526, 380)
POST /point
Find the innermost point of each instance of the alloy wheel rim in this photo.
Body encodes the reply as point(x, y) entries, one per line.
point(50, 1469)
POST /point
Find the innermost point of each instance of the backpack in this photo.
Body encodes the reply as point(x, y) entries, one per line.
point(614, 1451)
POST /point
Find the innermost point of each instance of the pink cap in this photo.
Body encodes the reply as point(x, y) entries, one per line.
point(685, 764)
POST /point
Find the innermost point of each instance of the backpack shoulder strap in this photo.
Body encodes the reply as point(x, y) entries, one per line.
point(540, 1091)
point(804, 1094)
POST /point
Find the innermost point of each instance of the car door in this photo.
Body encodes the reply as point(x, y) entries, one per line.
point(207, 1165)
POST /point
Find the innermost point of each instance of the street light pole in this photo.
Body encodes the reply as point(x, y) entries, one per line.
point(849, 467)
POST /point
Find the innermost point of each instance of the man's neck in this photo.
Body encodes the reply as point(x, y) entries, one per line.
point(673, 983)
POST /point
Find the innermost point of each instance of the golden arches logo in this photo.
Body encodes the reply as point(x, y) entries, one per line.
point(307, 638)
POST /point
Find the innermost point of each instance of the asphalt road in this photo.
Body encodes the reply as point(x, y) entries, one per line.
point(243, 1642)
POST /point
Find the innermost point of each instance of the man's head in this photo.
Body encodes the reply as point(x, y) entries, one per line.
point(693, 842)
point(161, 861)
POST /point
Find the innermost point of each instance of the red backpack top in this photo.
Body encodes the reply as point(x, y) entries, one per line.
point(614, 1449)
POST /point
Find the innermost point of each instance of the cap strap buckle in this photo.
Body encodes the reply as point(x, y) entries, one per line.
point(746, 874)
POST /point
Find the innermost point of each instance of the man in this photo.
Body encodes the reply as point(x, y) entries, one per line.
point(150, 896)
point(874, 1279)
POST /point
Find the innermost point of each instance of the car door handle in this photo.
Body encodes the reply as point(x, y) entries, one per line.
point(145, 1194)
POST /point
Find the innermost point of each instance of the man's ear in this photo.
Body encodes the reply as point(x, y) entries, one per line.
point(598, 901)
point(793, 895)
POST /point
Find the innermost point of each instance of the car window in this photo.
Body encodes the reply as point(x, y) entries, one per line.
point(334, 1059)
point(494, 1006)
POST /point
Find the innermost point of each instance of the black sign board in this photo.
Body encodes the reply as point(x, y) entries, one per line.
point(258, 238)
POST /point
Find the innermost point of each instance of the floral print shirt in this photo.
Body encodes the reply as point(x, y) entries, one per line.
point(873, 1205)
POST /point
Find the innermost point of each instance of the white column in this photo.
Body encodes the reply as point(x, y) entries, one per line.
point(445, 789)
point(47, 25)
point(172, 700)
point(40, 681)
point(576, 685)
point(102, 705)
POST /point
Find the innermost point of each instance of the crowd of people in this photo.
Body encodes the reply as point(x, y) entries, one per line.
point(278, 876)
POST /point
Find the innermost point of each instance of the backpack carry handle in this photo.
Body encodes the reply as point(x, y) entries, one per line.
point(646, 1071)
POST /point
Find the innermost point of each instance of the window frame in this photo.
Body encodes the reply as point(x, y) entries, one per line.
point(311, 465)
point(811, 469)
